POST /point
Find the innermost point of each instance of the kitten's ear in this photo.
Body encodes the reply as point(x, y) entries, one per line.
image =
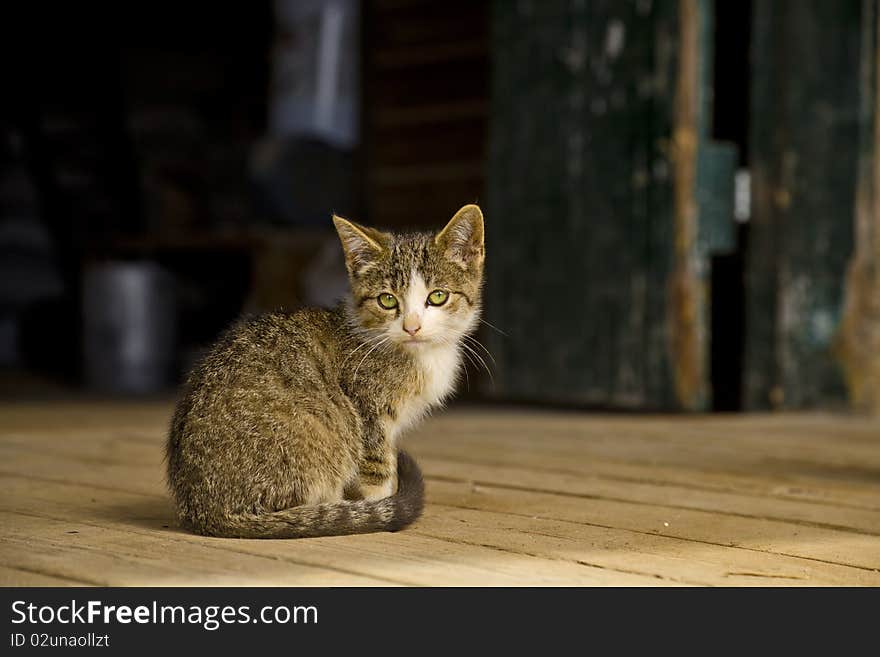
point(362, 245)
point(462, 238)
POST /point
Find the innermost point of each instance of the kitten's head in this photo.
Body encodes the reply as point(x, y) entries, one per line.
point(416, 289)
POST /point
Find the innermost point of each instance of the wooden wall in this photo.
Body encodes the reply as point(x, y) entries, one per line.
point(857, 341)
point(813, 295)
point(426, 93)
point(606, 197)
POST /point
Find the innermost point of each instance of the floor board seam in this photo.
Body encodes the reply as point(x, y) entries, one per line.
point(47, 573)
point(211, 547)
point(570, 473)
point(654, 482)
point(80, 484)
point(590, 496)
point(731, 546)
point(545, 557)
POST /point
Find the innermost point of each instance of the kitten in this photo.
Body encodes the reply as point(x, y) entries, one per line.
point(288, 427)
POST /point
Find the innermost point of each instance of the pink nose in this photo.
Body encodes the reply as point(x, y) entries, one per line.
point(411, 324)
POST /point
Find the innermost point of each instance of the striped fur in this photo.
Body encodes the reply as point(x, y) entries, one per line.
point(336, 518)
point(288, 427)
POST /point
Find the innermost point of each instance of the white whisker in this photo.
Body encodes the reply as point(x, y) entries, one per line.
point(367, 355)
point(492, 326)
point(369, 341)
point(480, 359)
point(482, 346)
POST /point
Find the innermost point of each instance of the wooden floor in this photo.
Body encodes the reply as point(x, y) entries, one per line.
point(514, 498)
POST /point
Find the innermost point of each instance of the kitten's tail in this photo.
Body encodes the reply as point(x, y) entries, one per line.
point(338, 518)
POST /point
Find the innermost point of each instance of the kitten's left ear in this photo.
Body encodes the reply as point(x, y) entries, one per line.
point(462, 238)
point(363, 246)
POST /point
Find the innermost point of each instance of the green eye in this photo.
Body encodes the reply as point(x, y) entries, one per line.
point(438, 297)
point(387, 301)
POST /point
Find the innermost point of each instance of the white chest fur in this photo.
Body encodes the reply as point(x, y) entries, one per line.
point(438, 372)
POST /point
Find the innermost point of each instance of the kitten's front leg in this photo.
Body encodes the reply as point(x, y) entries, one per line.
point(378, 468)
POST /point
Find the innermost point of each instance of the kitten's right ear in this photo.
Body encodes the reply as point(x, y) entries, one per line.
point(462, 239)
point(362, 245)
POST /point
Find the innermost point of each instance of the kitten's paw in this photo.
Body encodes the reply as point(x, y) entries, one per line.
point(372, 493)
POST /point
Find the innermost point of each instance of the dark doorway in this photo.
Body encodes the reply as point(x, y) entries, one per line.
point(730, 121)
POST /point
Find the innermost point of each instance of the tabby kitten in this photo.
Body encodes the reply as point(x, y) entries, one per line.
point(288, 427)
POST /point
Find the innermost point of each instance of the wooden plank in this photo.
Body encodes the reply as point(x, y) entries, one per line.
point(443, 142)
point(766, 537)
point(837, 492)
point(519, 537)
point(805, 113)
point(611, 515)
point(514, 498)
point(686, 285)
point(672, 560)
point(564, 463)
point(593, 166)
point(669, 497)
point(114, 559)
point(857, 342)
point(445, 197)
point(850, 485)
point(65, 415)
point(618, 449)
point(417, 24)
point(116, 523)
point(406, 56)
point(751, 456)
point(398, 176)
point(149, 422)
point(452, 81)
point(821, 438)
point(426, 77)
point(424, 116)
point(10, 576)
point(69, 548)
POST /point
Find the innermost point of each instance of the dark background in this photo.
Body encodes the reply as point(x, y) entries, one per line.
point(148, 197)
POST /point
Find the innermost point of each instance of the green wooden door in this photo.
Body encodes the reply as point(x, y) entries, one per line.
point(813, 336)
point(605, 200)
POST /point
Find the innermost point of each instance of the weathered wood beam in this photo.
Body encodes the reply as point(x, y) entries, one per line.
point(687, 319)
point(607, 198)
point(857, 343)
point(804, 144)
